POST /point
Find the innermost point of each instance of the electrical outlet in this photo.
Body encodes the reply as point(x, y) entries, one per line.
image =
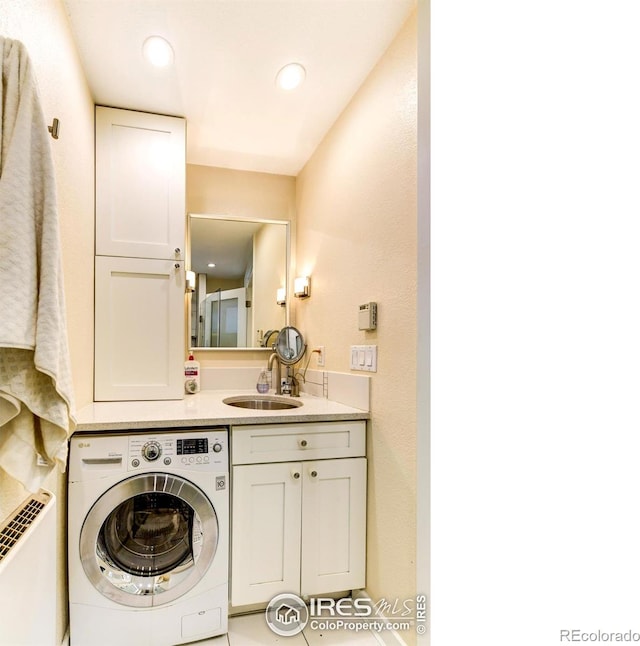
point(320, 353)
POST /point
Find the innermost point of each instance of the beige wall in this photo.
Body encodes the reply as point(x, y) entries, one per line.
point(356, 237)
point(221, 191)
point(423, 561)
point(42, 26)
point(269, 274)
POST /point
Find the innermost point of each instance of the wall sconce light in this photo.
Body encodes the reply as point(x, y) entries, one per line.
point(191, 281)
point(302, 287)
point(281, 296)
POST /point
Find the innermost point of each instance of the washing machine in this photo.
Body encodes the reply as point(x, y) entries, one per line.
point(148, 523)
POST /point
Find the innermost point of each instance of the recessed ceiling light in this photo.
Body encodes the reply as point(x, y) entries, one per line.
point(290, 76)
point(211, 264)
point(158, 51)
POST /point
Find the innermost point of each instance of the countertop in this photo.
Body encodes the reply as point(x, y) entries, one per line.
point(206, 408)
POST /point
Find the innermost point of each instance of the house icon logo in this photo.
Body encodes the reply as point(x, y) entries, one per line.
point(287, 615)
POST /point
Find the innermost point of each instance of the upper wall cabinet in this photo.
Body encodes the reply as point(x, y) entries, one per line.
point(140, 184)
point(140, 239)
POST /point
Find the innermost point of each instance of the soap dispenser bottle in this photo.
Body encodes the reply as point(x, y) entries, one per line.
point(191, 375)
point(263, 383)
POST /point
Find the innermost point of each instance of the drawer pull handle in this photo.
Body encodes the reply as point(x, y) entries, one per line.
point(296, 475)
point(314, 474)
point(303, 443)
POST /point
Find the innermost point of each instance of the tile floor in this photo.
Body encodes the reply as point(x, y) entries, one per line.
point(252, 630)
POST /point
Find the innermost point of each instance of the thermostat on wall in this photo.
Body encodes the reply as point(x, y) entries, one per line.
point(368, 316)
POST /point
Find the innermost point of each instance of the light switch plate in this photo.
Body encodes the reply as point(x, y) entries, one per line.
point(364, 358)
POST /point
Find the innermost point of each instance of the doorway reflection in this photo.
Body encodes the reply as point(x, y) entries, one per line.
point(223, 319)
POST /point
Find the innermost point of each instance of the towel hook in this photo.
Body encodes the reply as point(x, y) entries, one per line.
point(54, 128)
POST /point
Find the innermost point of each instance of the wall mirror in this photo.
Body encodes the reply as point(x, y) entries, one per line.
point(240, 264)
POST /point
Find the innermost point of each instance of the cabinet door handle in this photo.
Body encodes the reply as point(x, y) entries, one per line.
point(314, 474)
point(296, 475)
point(303, 443)
point(177, 249)
point(177, 265)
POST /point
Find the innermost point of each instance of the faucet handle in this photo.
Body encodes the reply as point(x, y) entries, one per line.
point(286, 387)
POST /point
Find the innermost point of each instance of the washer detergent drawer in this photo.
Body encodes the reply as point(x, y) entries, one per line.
point(254, 444)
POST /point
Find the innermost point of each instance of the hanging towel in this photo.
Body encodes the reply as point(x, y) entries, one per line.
point(36, 394)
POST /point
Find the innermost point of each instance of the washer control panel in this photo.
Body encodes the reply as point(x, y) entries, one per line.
point(200, 450)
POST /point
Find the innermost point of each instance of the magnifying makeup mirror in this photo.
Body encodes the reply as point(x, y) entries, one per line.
point(290, 345)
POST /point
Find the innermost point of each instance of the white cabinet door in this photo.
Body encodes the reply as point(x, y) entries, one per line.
point(265, 553)
point(298, 527)
point(139, 329)
point(334, 495)
point(140, 184)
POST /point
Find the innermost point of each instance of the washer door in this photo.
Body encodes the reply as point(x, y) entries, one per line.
point(149, 539)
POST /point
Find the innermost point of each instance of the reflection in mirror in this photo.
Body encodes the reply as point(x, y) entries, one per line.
point(239, 266)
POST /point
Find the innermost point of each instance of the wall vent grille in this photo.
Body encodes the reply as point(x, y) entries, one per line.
point(20, 521)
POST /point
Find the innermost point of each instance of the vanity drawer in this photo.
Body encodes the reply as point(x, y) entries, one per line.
point(259, 443)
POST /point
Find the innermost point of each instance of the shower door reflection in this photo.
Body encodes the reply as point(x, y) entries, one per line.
point(223, 319)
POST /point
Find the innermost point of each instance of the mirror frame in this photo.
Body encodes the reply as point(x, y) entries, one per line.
point(288, 291)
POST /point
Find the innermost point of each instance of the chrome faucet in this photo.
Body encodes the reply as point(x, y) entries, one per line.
point(277, 385)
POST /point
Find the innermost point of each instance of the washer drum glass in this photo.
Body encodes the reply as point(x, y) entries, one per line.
point(149, 539)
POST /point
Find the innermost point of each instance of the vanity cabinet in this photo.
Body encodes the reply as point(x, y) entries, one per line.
point(299, 510)
point(139, 265)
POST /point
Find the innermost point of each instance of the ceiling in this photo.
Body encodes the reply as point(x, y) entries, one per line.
point(227, 242)
point(227, 54)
